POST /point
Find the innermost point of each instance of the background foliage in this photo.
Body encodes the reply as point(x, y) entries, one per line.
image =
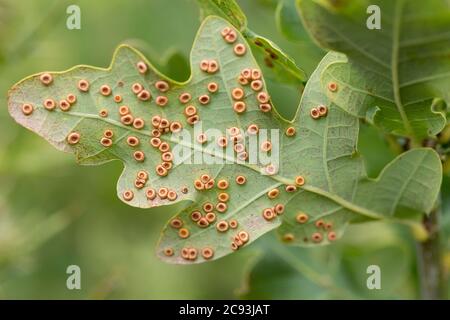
point(49, 219)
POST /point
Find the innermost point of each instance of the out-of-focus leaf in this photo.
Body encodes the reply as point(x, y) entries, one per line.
point(322, 150)
point(392, 74)
point(289, 22)
point(279, 65)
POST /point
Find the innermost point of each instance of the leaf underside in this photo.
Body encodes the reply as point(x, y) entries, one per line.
point(322, 150)
point(392, 74)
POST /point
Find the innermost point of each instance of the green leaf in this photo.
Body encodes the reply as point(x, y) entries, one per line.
point(322, 150)
point(276, 64)
point(289, 22)
point(392, 74)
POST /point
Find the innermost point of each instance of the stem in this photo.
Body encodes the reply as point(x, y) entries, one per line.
point(430, 263)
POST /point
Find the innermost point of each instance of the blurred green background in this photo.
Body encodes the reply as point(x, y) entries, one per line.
point(54, 213)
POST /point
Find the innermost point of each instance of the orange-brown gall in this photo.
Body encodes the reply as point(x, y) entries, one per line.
point(164, 147)
point(46, 78)
point(239, 107)
point(27, 109)
point(196, 215)
point(234, 246)
point(71, 98)
point(142, 67)
point(185, 97)
point(163, 192)
point(162, 86)
point(128, 195)
point(319, 223)
point(222, 226)
point(193, 119)
point(265, 107)
point(117, 98)
point(203, 222)
point(240, 180)
point(208, 207)
point(239, 49)
point(302, 217)
point(279, 208)
point(189, 111)
point(316, 237)
point(202, 138)
point(290, 188)
point(155, 142)
point(288, 237)
point(256, 85)
point(64, 105)
point(124, 110)
point(213, 66)
point(221, 207)
point(192, 254)
point(167, 156)
point(266, 146)
point(332, 86)
point(299, 181)
point(253, 129)
point(270, 169)
point(138, 123)
point(331, 236)
point(139, 183)
point(127, 119)
point(161, 170)
point(133, 141)
point(290, 131)
point(237, 93)
point(204, 64)
point(49, 104)
point(204, 99)
point(139, 156)
point(242, 80)
point(207, 253)
point(222, 142)
point(211, 217)
point(314, 112)
point(105, 90)
point(222, 184)
point(239, 147)
point(150, 193)
point(106, 142)
point(262, 97)
point(256, 74)
point(268, 214)
point(176, 223)
point(272, 194)
point(233, 224)
point(144, 95)
point(103, 113)
point(244, 236)
point(183, 233)
point(108, 133)
point(323, 110)
point(83, 85)
point(223, 197)
point(213, 87)
point(199, 185)
point(168, 252)
point(161, 101)
point(142, 174)
point(172, 195)
point(175, 127)
point(231, 36)
point(73, 138)
point(136, 88)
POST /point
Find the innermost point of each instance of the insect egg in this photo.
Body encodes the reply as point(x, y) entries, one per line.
point(46, 78)
point(73, 138)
